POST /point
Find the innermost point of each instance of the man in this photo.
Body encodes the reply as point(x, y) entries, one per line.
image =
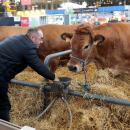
point(16, 53)
point(2, 10)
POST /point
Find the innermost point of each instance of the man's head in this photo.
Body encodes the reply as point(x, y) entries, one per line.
point(36, 35)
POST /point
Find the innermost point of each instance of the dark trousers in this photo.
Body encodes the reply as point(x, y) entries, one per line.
point(4, 102)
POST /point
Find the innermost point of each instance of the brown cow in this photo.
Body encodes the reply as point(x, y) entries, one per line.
point(52, 41)
point(107, 45)
point(6, 31)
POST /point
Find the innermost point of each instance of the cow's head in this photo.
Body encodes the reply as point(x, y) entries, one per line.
point(82, 42)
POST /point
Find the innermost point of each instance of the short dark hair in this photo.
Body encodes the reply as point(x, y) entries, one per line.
point(32, 30)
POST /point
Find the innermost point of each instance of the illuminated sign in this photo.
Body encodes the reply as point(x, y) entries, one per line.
point(26, 2)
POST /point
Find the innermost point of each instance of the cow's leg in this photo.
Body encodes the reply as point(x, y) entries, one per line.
point(64, 60)
point(54, 64)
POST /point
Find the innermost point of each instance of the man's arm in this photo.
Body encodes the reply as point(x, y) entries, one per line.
point(35, 63)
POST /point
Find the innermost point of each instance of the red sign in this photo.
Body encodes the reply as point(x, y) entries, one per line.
point(24, 21)
point(26, 2)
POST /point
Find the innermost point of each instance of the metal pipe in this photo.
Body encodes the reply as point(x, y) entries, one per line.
point(25, 83)
point(5, 125)
point(51, 56)
point(107, 99)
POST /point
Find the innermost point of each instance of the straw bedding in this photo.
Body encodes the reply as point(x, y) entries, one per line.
point(27, 103)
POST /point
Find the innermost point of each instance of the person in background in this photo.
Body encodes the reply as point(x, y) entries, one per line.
point(2, 10)
point(16, 53)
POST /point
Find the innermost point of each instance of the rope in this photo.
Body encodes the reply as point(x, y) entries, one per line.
point(47, 108)
point(69, 112)
point(83, 63)
point(85, 77)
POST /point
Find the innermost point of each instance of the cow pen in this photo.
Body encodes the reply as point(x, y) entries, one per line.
point(62, 89)
point(85, 94)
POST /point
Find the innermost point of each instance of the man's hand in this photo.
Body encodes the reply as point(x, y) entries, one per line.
point(56, 79)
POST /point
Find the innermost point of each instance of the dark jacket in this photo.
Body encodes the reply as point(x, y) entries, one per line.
point(2, 10)
point(16, 53)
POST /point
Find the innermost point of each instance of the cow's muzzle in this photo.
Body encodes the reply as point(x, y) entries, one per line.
point(72, 68)
point(79, 67)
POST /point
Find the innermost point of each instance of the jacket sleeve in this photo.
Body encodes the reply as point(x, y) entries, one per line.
point(32, 59)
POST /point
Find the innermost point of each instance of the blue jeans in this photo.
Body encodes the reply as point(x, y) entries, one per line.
point(4, 102)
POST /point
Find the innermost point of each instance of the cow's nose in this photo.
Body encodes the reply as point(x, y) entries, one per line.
point(72, 68)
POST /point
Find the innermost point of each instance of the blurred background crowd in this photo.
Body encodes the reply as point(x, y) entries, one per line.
point(37, 12)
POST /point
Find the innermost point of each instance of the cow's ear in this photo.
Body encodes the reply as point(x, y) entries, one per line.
point(67, 36)
point(98, 39)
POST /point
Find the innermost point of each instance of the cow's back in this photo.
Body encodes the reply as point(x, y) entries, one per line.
point(53, 32)
point(115, 50)
point(114, 31)
point(6, 31)
point(52, 38)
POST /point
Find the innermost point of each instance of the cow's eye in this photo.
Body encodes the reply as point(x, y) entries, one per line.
point(86, 47)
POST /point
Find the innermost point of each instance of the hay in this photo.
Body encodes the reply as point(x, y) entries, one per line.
point(27, 103)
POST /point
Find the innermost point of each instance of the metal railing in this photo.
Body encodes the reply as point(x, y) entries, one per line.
point(4, 125)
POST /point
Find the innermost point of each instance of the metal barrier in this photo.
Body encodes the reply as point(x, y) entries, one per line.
point(68, 91)
point(4, 125)
point(51, 56)
point(85, 95)
point(63, 90)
